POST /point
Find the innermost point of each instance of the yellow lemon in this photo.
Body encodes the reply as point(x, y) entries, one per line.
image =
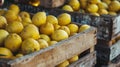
point(52, 19)
point(67, 8)
point(56, 26)
point(30, 45)
point(3, 22)
point(64, 19)
point(5, 53)
point(30, 31)
point(47, 28)
point(3, 35)
point(43, 43)
point(66, 29)
point(59, 35)
point(112, 13)
point(92, 8)
point(39, 18)
point(24, 14)
point(73, 59)
point(14, 27)
point(74, 4)
point(26, 21)
point(52, 42)
point(13, 42)
point(95, 14)
point(94, 1)
point(45, 37)
point(73, 28)
point(114, 6)
point(102, 5)
point(14, 8)
point(19, 55)
point(102, 11)
point(84, 27)
point(10, 16)
point(107, 1)
point(63, 64)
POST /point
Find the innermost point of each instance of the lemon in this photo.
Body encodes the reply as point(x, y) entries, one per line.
point(114, 6)
point(14, 27)
point(94, 1)
point(43, 43)
point(74, 4)
point(34, 2)
point(39, 18)
point(5, 53)
point(112, 13)
point(95, 14)
point(45, 37)
point(102, 11)
point(92, 8)
point(83, 4)
point(73, 59)
point(73, 28)
point(19, 55)
point(30, 45)
point(47, 28)
point(107, 1)
point(67, 8)
point(18, 18)
point(52, 42)
point(84, 27)
point(64, 19)
point(24, 14)
point(66, 29)
point(59, 35)
point(56, 26)
point(3, 22)
point(63, 64)
point(52, 19)
point(10, 16)
point(14, 8)
point(26, 21)
point(13, 42)
point(30, 31)
point(3, 35)
point(102, 5)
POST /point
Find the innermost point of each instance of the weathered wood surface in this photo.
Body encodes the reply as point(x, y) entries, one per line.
point(87, 61)
point(107, 53)
point(59, 52)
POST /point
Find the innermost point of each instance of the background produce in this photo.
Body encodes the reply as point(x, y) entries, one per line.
point(94, 7)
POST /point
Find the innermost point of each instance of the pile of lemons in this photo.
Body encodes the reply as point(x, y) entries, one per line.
point(94, 7)
point(21, 33)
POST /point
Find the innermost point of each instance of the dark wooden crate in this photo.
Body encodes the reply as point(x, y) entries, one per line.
point(106, 51)
point(88, 60)
point(57, 53)
point(107, 26)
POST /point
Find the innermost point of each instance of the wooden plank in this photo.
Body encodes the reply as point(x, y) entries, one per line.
point(59, 52)
point(115, 50)
point(87, 61)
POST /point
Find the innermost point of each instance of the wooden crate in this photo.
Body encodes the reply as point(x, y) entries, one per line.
point(114, 63)
point(106, 51)
point(57, 53)
point(88, 60)
point(107, 26)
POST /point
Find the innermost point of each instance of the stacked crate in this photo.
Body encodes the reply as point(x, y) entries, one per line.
point(108, 32)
